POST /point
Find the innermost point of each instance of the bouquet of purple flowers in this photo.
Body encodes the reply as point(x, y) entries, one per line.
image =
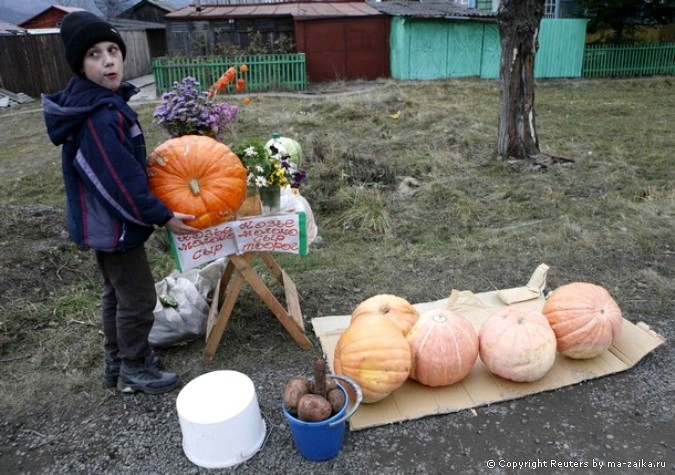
point(185, 110)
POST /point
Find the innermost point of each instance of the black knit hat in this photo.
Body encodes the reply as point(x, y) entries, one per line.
point(80, 31)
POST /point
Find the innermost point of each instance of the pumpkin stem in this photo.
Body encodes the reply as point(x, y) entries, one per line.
point(193, 184)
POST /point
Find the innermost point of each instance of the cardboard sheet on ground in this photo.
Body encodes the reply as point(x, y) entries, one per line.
point(413, 400)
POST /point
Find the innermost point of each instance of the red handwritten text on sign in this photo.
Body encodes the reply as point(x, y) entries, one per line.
point(256, 234)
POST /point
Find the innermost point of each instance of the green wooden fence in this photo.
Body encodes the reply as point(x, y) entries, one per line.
point(628, 60)
point(273, 72)
point(269, 72)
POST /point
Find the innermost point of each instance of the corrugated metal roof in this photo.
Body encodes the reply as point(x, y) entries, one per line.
point(300, 11)
point(168, 6)
point(10, 28)
point(55, 7)
point(125, 24)
point(65, 8)
point(430, 9)
point(164, 6)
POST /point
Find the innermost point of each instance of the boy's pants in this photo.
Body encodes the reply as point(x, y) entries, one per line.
point(128, 302)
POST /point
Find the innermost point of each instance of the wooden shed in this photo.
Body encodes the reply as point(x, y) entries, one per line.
point(148, 10)
point(49, 18)
point(437, 40)
point(341, 40)
point(153, 33)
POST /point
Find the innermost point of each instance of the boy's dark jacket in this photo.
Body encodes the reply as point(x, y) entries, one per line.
point(109, 205)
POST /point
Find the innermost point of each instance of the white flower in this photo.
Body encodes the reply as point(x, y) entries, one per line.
point(250, 152)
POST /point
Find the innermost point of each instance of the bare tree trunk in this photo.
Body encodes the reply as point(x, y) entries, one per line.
point(519, 22)
point(112, 8)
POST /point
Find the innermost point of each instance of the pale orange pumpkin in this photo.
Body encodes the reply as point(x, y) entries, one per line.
point(444, 346)
point(517, 343)
point(373, 352)
point(197, 175)
point(396, 309)
point(585, 318)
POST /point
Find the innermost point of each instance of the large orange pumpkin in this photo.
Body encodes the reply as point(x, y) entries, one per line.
point(517, 343)
point(197, 175)
point(585, 318)
point(373, 352)
point(396, 309)
point(444, 347)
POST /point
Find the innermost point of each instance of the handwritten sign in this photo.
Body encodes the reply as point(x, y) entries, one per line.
point(273, 233)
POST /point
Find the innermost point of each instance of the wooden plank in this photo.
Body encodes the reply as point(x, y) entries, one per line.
point(292, 300)
point(215, 335)
point(225, 278)
point(213, 308)
point(19, 98)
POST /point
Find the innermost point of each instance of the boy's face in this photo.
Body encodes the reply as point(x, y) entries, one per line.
point(103, 64)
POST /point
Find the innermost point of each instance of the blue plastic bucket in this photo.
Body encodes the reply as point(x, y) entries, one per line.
point(323, 440)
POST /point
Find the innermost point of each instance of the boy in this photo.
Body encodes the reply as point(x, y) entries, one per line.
point(109, 206)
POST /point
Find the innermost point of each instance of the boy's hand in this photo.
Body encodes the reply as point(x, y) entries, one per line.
point(177, 226)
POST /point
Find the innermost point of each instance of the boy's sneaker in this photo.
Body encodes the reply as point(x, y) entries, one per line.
point(147, 378)
point(112, 369)
point(111, 373)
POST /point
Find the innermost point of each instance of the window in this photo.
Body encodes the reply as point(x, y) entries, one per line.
point(550, 8)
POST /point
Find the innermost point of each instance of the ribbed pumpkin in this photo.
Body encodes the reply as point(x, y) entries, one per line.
point(197, 175)
point(396, 309)
point(517, 343)
point(585, 318)
point(444, 347)
point(373, 352)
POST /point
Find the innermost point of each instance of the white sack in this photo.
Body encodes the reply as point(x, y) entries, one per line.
point(193, 292)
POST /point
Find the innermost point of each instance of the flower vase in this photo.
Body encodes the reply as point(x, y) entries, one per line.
point(270, 198)
point(251, 205)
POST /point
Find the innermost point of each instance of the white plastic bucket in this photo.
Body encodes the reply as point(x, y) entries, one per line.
point(220, 419)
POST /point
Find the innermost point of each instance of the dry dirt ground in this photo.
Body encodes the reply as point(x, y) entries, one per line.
point(625, 419)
